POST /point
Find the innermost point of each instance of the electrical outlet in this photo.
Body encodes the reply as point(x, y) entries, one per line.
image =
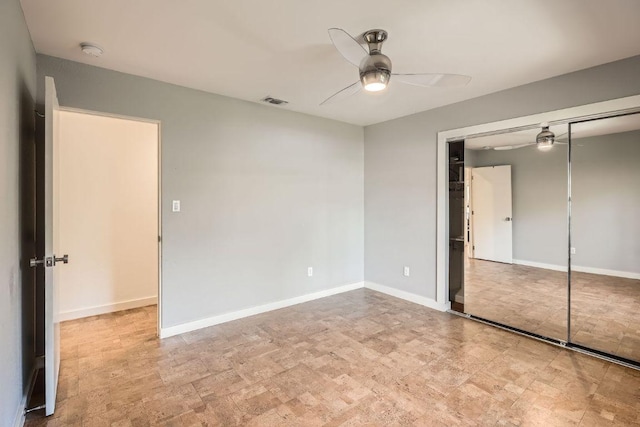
point(175, 206)
point(573, 251)
point(310, 271)
point(406, 272)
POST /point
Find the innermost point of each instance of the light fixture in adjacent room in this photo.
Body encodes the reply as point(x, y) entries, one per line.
point(91, 49)
point(545, 139)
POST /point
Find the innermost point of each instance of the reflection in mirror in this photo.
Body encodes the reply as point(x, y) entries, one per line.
point(605, 235)
point(515, 264)
point(457, 224)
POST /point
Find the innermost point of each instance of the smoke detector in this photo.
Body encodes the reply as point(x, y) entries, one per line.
point(91, 49)
point(274, 101)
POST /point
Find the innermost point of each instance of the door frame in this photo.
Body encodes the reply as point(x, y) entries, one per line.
point(468, 216)
point(159, 207)
point(563, 116)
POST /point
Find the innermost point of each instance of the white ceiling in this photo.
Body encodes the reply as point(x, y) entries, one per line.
point(248, 49)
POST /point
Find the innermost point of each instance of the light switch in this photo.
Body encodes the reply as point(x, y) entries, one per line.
point(406, 271)
point(310, 271)
point(175, 206)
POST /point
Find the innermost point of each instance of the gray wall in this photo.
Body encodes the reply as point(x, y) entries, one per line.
point(606, 201)
point(400, 166)
point(265, 192)
point(17, 92)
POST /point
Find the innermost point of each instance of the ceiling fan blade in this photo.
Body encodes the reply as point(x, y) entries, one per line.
point(348, 47)
point(343, 93)
point(511, 147)
point(433, 80)
point(573, 144)
point(562, 137)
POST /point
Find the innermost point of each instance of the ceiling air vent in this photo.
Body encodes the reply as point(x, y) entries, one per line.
point(274, 101)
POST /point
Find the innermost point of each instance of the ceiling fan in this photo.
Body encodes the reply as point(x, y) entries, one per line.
point(545, 140)
point(375, 67)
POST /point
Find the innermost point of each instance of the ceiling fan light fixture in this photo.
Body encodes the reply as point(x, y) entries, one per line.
point(375, 67)
point(375, 72)
point(544, 147)
point(375, 81)
point(545, 139)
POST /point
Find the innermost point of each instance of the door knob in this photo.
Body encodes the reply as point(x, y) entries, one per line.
point(63, 259)
point(49, 261)
point(508, 218)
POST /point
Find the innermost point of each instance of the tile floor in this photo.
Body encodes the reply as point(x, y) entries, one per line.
point(358, 358)
point(604, 309)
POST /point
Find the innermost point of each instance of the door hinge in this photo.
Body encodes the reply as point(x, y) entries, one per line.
point(39, 362)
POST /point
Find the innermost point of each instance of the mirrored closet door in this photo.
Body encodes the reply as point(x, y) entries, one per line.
point(605, 235)
point(544, 230)
point(515, 265)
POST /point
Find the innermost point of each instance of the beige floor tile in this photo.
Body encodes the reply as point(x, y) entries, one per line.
point(356, 359)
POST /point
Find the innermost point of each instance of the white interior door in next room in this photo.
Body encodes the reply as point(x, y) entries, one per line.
point(492, 213)
point(49, 245)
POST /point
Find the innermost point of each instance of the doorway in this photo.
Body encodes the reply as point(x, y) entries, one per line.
point(108, 194)
point(98, 192)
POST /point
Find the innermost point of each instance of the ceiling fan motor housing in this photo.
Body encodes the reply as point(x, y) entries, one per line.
point(545, 138)
point(375, 68)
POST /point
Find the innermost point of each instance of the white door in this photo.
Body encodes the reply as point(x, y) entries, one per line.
point(52, 258)
point(492, 213)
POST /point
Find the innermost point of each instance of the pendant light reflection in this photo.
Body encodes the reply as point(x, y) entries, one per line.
point(545, 139)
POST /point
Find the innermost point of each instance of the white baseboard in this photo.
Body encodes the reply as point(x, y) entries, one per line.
point(605, 272)
point(20, 418)
point(227, 317)
point(407, 296)
point(540, 265)
point(107, 308)
point(580, 269)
